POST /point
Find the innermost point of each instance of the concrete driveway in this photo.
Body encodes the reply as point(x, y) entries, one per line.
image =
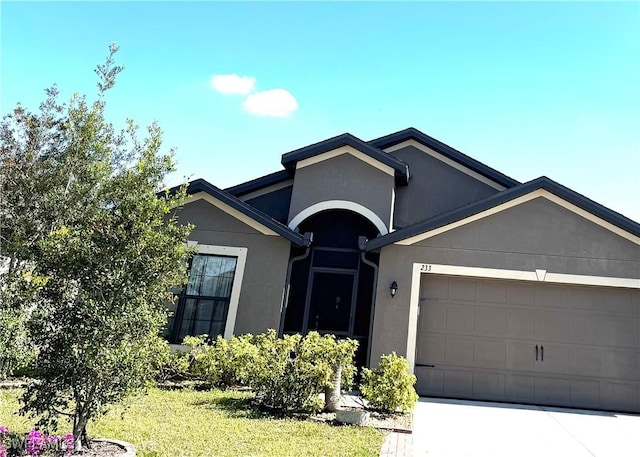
point(458, 428)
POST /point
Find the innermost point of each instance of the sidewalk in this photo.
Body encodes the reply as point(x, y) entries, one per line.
point(397, 445)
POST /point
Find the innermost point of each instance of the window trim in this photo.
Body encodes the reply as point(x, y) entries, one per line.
point(229, 251)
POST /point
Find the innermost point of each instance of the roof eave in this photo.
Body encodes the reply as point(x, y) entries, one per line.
point(505, 196)
point(414, 134)
point(401, 169)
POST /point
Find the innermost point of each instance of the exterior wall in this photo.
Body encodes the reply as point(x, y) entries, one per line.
point(275, 204)
point(433, 189)
point(535, 235)
point(344, 177)
point(266, 267)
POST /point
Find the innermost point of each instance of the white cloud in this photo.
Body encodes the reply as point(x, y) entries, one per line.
point(233, 84)
point(274, 103)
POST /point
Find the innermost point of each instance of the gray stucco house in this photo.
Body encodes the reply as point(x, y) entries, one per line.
point(493, 289)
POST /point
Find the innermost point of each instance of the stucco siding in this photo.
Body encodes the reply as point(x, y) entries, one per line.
point(434, 188)
point(266, 267)
point(391, 315)
point(344, 177)
point(538, 234)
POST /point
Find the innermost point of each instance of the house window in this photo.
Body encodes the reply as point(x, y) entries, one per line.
point(209, 301)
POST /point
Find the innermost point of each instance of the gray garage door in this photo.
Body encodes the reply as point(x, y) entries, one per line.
point(529, 342)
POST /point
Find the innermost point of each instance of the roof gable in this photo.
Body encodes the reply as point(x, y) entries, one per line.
point(540, 187)
point(243, 211)
point(394, 140)
point(400, 169)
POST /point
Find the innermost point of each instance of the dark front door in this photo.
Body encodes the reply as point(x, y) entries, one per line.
point(331, 302)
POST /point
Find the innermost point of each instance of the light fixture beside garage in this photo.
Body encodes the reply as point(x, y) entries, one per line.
point(393, 288)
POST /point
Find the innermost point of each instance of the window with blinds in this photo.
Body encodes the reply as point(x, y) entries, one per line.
point(203, 303)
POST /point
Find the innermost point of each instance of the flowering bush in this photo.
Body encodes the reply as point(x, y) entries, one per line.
point(34, 444)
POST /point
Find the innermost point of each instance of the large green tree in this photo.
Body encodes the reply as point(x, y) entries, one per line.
point(92, 248)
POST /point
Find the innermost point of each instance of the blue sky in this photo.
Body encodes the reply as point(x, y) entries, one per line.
point(528, 88)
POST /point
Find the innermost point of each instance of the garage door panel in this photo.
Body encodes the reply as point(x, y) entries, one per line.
point(554, 358)
point(490, 353)
point(619, 363)
point(461, 318)
point(489, 385)
point(604, 331)
point(551, 326)
point(458, 383)
point(620, 332)
point(462, 289)
point(433, 316)
point(611, 301)
point(481, 335)
point(521, 293)
point(586, 329)
point(430, 381)
point(620, 396)
point(556, 296)
point(437, 289)
point(491, 321)
point(584, 361)
point(585, 393)
point(550, 390)
point(521, 356)
point(431, 350)
point(521, 323)
point(520, 388)
point(459, 351)
point(491, 292)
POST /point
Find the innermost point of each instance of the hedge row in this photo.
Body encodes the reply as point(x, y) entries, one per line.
point(287, 374)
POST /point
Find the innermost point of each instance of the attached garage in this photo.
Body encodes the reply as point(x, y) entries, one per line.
point(529, 341)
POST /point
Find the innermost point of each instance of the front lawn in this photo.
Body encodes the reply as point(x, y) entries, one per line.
point(188, 423)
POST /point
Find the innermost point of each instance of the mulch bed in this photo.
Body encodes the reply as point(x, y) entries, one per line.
point(103, 449)
point(393, 422)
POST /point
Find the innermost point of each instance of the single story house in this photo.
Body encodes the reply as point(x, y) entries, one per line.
point(492, 289)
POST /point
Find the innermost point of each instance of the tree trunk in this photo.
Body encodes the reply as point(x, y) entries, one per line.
point(332, 394)
point(80, 433)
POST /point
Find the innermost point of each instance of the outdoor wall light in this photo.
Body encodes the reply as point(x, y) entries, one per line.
point(393, 288)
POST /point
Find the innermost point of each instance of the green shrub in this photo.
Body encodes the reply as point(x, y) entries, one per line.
point(169, 364)
point(223, 363)
point(292, 371)
point(334, 353)
point(287, 374)
point(334, 356)
point(390, 386)
point(280, 380)
point(201, 361)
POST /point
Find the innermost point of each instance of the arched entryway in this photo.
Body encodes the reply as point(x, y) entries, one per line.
point(331, 287)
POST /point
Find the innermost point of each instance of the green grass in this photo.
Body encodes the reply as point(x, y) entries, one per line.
point(188, 423)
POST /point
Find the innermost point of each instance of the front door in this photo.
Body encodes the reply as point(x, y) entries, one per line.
point(330, 303)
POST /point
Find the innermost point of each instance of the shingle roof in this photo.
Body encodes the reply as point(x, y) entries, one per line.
point(447, 151)
point(258, 183)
